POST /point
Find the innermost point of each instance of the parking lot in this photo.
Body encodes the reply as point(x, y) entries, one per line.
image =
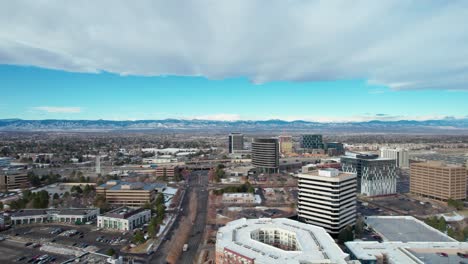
point(77, 237)
point(17, 252)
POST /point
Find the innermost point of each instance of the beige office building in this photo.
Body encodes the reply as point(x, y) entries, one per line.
point(285, 145)
point(13, 181)
point(437, 180)
point(130, 193)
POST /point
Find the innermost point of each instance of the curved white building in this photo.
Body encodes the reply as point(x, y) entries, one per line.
point(273, 241)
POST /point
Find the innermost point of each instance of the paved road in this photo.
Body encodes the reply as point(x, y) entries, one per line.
point(198, 181)
point(198, 228)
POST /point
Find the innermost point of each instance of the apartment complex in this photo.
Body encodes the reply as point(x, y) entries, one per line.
point(129, 193)
point(265, 154)
point(376, 176)
point(236, 142)
point(13, 181)
point(400, 156)
point(285, 145)
point(124, 218)
point(437, 180)
point(279, 240)
point(76, 215)
point(168, 171)
point(327, 198)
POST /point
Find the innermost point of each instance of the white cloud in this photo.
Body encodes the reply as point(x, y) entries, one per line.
point(58, 109)
point(400, 44)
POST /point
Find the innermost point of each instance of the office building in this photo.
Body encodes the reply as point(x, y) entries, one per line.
point(124, 218)
point(13, 181)
point(236, 142)
point(265, 154)
point(168, 171)
point(5, 162)
point(327, 198)
point(71, 216)
point(376, 176)
point(400, 156)
point(312, 142)
point(405, 239)
point(437, 180)
point(129, 193)
point(271, 241)
point(334, 148)
point(285, 145)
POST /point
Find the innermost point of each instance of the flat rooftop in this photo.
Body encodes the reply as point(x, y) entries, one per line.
point(35, 212)
point(315, 245)
point(124, 212)
point(405, 229)
point(408, 253)
point(120, 185)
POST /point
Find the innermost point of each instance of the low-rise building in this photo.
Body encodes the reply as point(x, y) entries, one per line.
point(124, 218)
point(13, 181)
point(72, 216)
point(238, 198)
point(280, 240)
point(130, 193)
point(167, 171)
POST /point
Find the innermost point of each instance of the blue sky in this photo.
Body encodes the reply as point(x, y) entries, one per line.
point(335, 60)
point(35, 93)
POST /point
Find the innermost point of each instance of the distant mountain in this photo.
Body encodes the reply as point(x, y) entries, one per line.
point(428, 126)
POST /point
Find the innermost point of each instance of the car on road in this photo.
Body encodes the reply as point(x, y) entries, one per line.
point(462, 255)
point(18, 259)
point(442, 254)
point(28, 244)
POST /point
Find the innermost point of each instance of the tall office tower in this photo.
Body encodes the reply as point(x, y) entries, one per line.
point(285, 145)
point(327, 198)
point(376, 176)
point(98, 164)
point(236, 142)
point(334, 148)
point(312, 142)
point(437, 180)
point(401, 156)
point(265, 154)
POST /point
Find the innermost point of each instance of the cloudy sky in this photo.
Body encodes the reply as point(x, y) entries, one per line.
point(229, 60)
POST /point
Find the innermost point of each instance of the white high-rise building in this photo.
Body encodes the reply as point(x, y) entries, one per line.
point(327, 198)
point(401, 156)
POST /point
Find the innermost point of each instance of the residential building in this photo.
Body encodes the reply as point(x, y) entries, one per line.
point(376, 176)
point(400, 156)
point(130, 193)
point(168, 171)
point(327, 198)
point(71, 216)
point(271, 241)
point(13, 181)
point(265, 154)
point(312, 142)
point(285, 145)
point(124, 218)
point(437, 180)
point(236, 142)
point(239, 198)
